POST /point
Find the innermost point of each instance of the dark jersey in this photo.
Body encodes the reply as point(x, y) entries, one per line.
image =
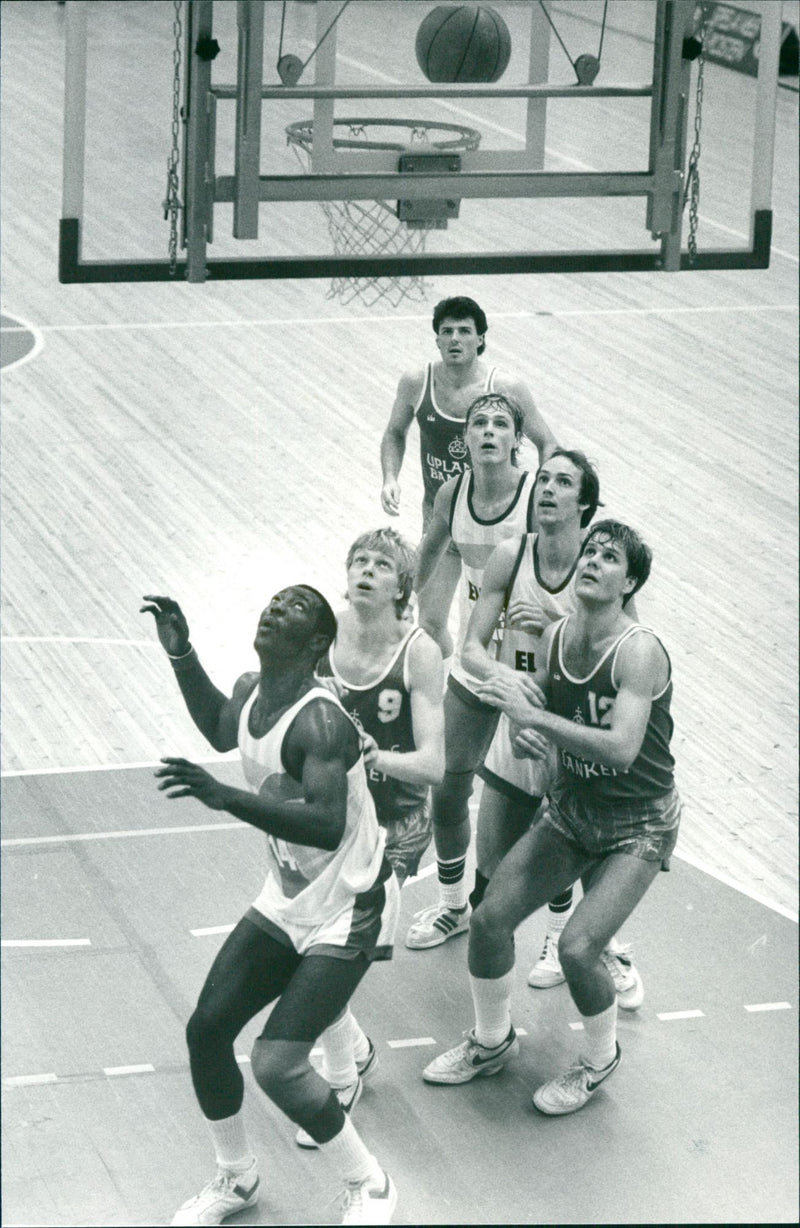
point(442, 449)
point(383, 710)
point(590, 701)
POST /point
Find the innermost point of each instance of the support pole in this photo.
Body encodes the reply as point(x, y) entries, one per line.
point(250, 78)
point(74, 111)
point(199, 160)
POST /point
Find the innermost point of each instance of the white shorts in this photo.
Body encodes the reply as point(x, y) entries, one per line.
point(519, 779)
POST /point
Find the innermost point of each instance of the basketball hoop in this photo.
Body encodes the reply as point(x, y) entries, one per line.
point(370, 227)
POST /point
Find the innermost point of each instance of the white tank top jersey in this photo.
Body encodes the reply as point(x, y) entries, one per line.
point(304, 885)
point(475, 540)
point(519, 647)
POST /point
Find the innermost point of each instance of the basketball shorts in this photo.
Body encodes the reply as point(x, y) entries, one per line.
point(407, 838)
point(646, 828)
point(366, 927)
point(519, 779)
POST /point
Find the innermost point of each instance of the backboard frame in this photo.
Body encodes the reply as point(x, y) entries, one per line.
point(343, 176)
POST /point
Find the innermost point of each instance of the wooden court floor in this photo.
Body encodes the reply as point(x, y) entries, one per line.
point(216, 442)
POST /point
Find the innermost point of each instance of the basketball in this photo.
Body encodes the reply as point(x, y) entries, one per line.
point(463, 42)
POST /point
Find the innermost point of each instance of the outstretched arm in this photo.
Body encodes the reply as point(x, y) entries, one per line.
point(425, 764)
point(393, 443)
point(214, 714)
point(321, 745)
point(437, 537)
point(534, 425)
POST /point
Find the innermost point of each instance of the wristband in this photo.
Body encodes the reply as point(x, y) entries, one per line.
point(181, 655)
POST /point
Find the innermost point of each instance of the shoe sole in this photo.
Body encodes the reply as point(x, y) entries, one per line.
point(561, 1112)
point(549, 983)
point(420, 945)
point(481, 1072)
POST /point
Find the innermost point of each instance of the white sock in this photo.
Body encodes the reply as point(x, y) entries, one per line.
point(338, 1059)
point(230, 1142)
point(358, 1038)
point(351, 1156)
point(452, 882)
point(600, 1032)
point(492, 1000)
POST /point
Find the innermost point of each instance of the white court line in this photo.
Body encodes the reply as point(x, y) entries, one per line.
point(45, 942)
point(242, 1059)
point(17, 842)
point(724, 878)
point(30, 1080)
point(305, 321)
point(143, 1068)
point(228, 757)
point(38, 341)
point(769, 1006)
point(75, 639)
point(211, 929)
point(576, 1027)
point(666, 1016)
point(413, 1042)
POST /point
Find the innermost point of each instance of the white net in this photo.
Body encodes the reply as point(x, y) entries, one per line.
point(372, 227)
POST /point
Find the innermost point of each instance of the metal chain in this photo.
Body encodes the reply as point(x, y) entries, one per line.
point(692, 191)
point(172, 203)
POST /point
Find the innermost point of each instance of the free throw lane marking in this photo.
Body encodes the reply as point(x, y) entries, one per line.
point(769, 1006)
point(142, 1068)
point(666, 1016)
point(46, 942)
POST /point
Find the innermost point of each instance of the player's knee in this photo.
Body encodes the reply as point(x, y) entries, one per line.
point(578, 950)
point(487, 921)
point(276, 1073)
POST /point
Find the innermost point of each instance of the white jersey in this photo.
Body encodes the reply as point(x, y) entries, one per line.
point(502, 770)
point(308, 886)
point(475, 540)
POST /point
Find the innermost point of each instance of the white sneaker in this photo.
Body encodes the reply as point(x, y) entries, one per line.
point(348, 1098)
point(433, 926)
point(470, 1059)
point(626, 978)
point(366, 1203)
point(570, 1091)
point(228, 1193)
point(547, 972)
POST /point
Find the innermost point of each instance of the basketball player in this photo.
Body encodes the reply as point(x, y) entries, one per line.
point(438, 396)
point(475, 511)
point(602, 693)
point(527, 585)
point(328, 906)
point(389, 678)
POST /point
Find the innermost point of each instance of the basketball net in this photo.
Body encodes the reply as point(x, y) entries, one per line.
point(372, 227)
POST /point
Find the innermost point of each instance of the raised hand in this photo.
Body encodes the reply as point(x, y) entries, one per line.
point(171, 624)
point(180, 778)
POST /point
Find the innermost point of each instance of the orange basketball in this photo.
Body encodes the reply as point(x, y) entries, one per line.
point(463, 42)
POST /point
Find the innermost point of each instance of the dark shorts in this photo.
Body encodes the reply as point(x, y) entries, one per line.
point(645, 828)
point(407, 838)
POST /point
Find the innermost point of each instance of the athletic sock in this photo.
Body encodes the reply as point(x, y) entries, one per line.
point(560, 910)
point(452, 887)
point(600, 1037)
point(230, 1142)
point(491, 997)
point(479, 890)
point(358, 1038)
point(351, 1156)
point(338, 1059)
